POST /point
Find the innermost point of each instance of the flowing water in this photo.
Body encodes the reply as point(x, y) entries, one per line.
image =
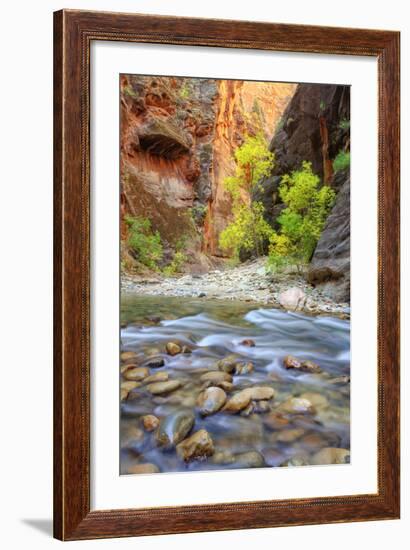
point(213, 330)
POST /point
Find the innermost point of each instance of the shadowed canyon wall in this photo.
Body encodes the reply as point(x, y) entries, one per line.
point(315, 127)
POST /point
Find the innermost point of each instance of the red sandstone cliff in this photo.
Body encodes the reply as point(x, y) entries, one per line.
point(178, 137)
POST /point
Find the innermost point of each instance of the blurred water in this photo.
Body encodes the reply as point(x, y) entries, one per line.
point(215, 329)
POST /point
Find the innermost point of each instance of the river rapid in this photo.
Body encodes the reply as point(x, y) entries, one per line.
point(305, 422)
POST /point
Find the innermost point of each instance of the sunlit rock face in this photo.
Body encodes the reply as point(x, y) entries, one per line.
point(167, 127)
point(178, 137)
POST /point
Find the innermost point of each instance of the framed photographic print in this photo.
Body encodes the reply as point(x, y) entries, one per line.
point(226, 275)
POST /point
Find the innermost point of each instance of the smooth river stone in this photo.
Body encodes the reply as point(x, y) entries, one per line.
point(131, 435)
point(331, 455)
point(146, 468)
point(297, 405)
point(158, 388)
point(173, 428)
point(258, 393)
point(197, 446)
point(150, 422)
point(318, 400)
point(211, 400)
point(130, 385)
point(242, 399)
point(288, 436)
point(128, 355)
point(173, 348)
point(216, 376)
point(310, 367)
point(161, 376)
point(250, 459)
point(275, 421)
point(123, 368)
point(137, 374)
point(238, 402)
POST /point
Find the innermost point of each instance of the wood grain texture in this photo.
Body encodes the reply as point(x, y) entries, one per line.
point(73, 33)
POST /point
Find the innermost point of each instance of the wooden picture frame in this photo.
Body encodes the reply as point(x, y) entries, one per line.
point(74, 32)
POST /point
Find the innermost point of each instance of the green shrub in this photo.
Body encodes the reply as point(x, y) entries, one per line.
point(249, 229)
point(127, 90)
point(185, 91)
point(145, 243)
point(341, 161)
point(247, 232)
point(176, 265)
point(344, 124)
point(302, 221)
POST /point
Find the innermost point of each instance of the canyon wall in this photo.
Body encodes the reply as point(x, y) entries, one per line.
point(178, 136)
point(315, 127)
point(167, 127)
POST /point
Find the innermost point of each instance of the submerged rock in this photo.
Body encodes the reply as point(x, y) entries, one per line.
point(198, 446)
point(331, 455)
point(340, 381)
point(223, 457)
point(174, 428)
point(310, 366)
point(228, 363)
point(275, 421)
point(291, 362)
point(131, 435)
point(288, 436)
point(250, 459)
point(243, 368)
point(158, 388)
point(318, 400)
point(211, 400)
point(261, 407)
point(272, 457)
point(150, 422)
point(297, 405)
point(146, 468)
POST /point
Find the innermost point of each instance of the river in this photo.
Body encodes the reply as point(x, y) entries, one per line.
point(212, 330)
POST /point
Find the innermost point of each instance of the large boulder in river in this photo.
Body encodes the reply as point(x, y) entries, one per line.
point(330, 265)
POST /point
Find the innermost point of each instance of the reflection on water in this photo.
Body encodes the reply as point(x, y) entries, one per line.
point(212, 331)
